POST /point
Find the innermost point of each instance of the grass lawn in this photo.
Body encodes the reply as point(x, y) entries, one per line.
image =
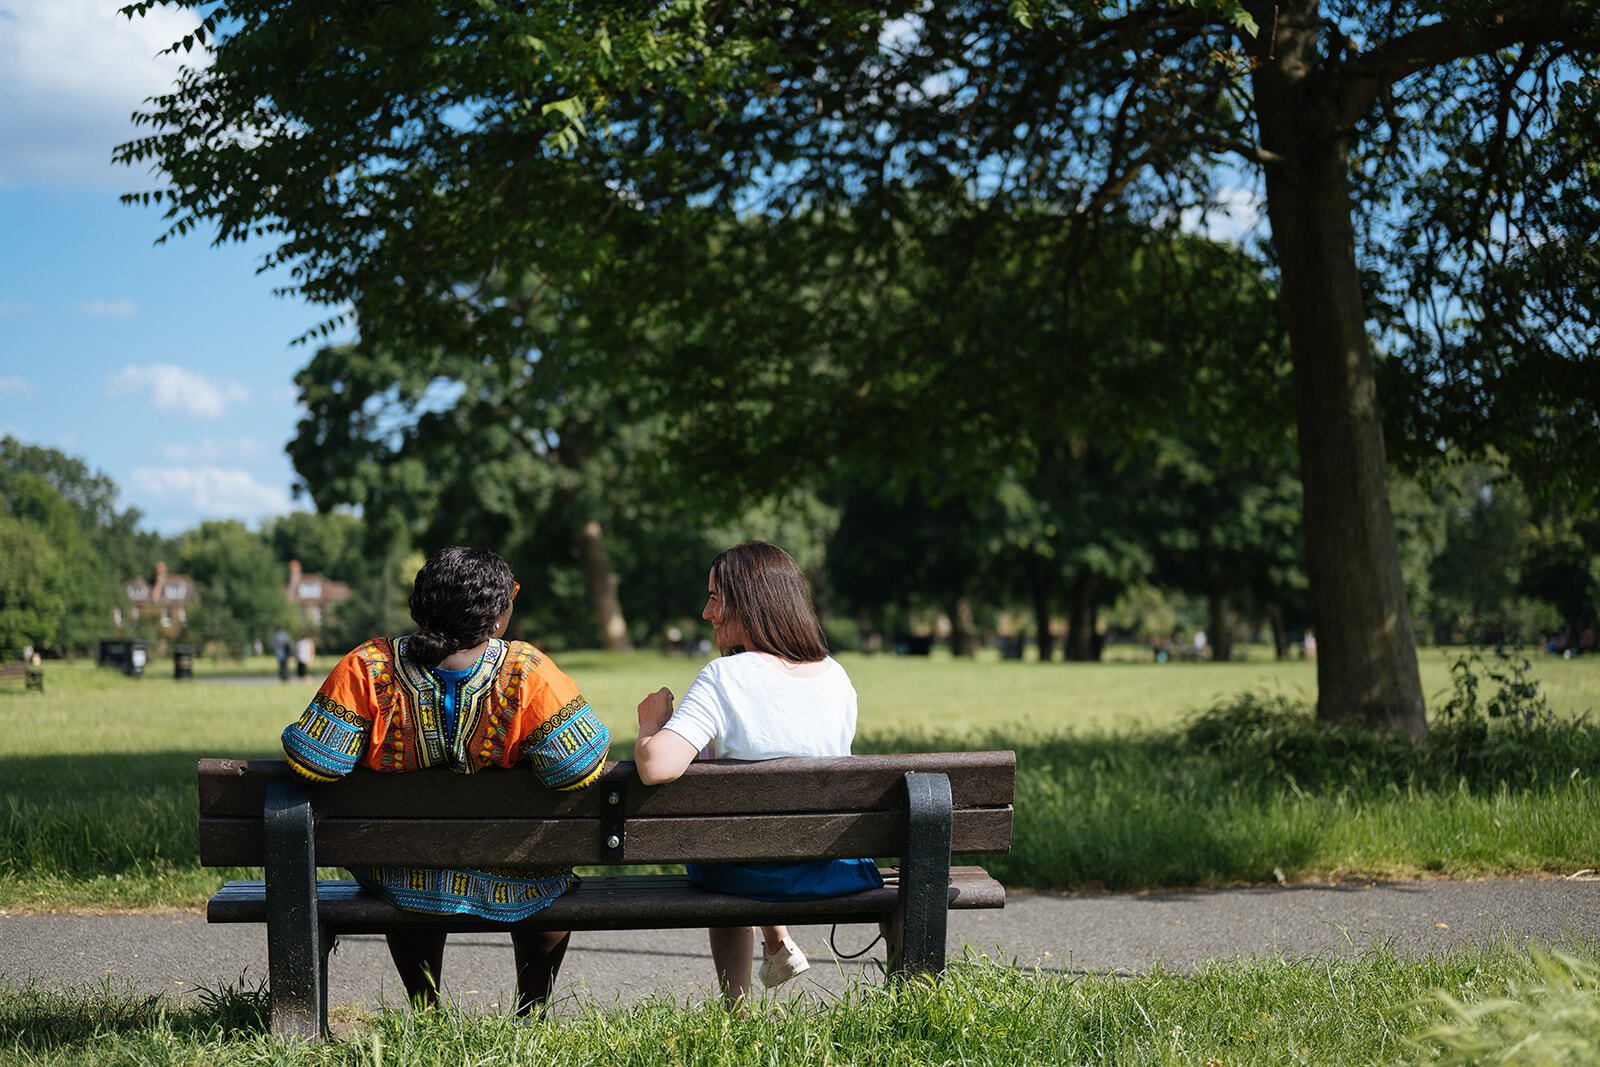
point(97, 774)
point(1471, 1007)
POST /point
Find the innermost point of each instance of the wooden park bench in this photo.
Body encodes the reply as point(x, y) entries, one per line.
point(919, 808)
point(30, 676)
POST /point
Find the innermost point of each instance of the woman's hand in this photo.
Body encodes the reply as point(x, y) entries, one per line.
point(654, 711)
point(659, 755)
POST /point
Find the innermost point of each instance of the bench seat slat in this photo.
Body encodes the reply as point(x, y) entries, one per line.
point(854, 783)
point(501, 842)
point(607, 902)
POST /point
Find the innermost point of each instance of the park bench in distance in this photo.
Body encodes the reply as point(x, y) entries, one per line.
point(918, 807)
point(31, 677)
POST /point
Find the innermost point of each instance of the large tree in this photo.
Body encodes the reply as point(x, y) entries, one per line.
point(403, 156)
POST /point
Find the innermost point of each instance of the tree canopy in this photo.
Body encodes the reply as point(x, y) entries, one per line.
point(1428, 173)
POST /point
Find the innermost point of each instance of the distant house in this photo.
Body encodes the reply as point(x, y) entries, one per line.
point(167, 597)
point(312, 595)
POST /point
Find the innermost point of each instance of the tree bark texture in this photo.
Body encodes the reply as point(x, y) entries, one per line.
point(1367, 660)
point(600, 580)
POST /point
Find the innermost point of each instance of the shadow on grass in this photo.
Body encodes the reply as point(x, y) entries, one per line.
point(38, 1020)
point(83, 816)
point(1252, 790)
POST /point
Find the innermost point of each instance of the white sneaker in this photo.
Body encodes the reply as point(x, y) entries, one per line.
point(780, 966)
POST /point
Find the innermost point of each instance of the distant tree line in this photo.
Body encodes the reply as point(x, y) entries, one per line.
point(67, 550)
point(1139, 549)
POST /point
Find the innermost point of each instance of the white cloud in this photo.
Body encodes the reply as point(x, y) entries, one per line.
point(211, 492)
point(211, 449)
point(71, 73)
point(110, 309)
point(174, 389)
point(1231, 218)
point(901, 34)
point(19, 386)
point(11, 309)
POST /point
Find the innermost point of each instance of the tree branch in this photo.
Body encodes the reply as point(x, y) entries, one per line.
point(1361, 81)
point(1136, 27)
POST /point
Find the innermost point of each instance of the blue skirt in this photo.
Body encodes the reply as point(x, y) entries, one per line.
point(809, 880)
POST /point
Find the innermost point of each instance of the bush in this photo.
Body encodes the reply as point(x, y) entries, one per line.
point(1255, 789)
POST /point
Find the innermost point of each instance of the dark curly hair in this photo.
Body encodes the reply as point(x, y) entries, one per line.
point(458, 595)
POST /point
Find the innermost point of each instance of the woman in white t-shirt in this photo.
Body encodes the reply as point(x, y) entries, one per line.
point(775, 692)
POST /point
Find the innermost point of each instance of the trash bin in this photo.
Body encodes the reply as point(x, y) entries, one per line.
point(113, 653)
point(183, 661)
point(136, 659)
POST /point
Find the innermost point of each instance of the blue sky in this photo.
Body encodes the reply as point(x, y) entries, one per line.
point(169, 368)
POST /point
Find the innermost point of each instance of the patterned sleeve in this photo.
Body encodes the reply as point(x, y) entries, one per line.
point(568, 743)
point(328, 739)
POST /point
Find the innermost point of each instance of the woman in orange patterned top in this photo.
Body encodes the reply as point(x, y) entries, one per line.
point(454, 694)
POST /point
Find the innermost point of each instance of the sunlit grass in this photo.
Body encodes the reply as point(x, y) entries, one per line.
point(898, 695)
point(1375, 1009)
point(97, 795)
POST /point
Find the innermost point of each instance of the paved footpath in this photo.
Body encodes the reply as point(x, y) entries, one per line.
point(1101, 933)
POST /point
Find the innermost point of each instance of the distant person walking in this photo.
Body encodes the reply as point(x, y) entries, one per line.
point(280, 649)
point(305, 650)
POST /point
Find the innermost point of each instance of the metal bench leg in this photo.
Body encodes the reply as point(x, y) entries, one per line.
point(296, 952)
point(917, 929)
point(326, 943)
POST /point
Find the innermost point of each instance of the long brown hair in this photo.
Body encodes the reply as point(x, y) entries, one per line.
point(763, 590)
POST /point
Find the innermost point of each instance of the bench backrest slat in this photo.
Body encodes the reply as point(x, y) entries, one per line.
point(777, 809)
point(537, 842)
point(859, 783)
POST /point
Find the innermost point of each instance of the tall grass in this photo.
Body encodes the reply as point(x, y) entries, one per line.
point(1552, 1017)
point(1366, 1010)
point(1254, 789)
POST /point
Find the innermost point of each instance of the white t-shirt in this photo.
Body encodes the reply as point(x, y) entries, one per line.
point(752, 707)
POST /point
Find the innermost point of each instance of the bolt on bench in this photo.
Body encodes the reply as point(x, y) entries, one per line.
point(920, 808)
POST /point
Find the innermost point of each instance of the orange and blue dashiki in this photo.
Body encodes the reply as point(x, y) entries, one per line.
point(382, 711)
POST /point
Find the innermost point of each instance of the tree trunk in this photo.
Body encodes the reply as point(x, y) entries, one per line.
point(1367, 659)
point(1042, 586)
point(1280, 636)
point(1080, 645)
point(600, 580)
point(963, 641)
point(1220, 622)
point(599, 576)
